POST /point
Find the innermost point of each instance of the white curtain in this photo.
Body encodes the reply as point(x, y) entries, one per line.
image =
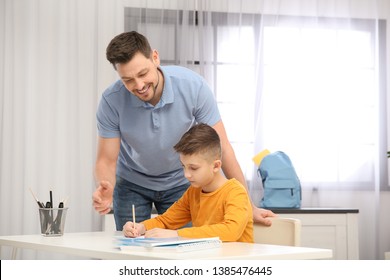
point(51, 68)
point(53, 71)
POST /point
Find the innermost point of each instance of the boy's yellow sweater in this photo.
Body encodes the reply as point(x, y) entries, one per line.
point(226, 213)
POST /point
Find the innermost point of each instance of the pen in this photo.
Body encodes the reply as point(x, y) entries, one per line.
point(51, 215)
point(133, 216)
point(48, 219)
point(51, 198)
point(57, 221)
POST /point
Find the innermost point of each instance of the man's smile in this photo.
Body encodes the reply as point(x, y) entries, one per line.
point(144, 90)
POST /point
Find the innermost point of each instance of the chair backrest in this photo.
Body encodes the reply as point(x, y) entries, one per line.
point(283, 231)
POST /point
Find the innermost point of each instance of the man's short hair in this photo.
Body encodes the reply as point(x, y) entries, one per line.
point(124, 46)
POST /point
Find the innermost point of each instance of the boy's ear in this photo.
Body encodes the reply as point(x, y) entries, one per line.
point(217, 165)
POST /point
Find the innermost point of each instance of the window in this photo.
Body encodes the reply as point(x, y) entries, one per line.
point(308, 86)
point(325, 113)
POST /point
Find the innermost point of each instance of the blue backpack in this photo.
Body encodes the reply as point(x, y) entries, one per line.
point(282, 188)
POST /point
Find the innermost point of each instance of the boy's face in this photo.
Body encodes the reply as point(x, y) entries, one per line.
point(199, 170)
point(141, 77)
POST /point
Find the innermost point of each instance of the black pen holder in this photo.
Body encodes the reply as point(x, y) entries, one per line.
point(52, 221)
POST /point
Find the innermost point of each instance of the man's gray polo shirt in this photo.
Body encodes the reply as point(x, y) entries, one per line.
point(148, 133)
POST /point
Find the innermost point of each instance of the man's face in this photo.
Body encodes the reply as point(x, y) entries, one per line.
point(141, 77)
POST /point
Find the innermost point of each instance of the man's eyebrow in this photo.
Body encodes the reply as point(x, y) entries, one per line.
point(126, 78)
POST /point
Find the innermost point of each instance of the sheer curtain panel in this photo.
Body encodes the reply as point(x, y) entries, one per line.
point(50, 52)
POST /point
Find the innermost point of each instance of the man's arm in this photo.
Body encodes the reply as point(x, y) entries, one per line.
point(105, 170)
point(232, 169)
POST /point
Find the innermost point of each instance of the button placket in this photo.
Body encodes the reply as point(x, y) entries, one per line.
point(155, 119)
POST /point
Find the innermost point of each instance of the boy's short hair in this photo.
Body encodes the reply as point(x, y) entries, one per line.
point(124, 46)
point(200, 139)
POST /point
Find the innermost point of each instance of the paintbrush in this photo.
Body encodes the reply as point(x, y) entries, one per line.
point(40, 204)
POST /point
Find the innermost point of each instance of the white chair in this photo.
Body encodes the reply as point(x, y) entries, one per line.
point(283, 231)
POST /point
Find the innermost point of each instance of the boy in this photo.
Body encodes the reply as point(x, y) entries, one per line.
point(215, 205)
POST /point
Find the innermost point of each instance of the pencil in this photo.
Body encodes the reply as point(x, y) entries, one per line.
point(133, 216)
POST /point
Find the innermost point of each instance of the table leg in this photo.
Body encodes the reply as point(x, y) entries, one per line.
point(14, 253)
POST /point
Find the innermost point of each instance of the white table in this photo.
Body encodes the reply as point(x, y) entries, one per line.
point(99, 245)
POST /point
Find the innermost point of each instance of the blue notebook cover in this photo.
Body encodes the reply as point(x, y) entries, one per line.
point(179, 244)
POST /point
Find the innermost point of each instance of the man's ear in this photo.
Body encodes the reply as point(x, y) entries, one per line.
point(156, 58)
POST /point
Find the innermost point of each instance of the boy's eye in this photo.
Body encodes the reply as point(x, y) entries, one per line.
point(190, 168)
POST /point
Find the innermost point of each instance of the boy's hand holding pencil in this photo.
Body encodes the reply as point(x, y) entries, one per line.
point(131, 229)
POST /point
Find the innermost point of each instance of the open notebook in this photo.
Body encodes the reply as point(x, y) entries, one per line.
point(176, 244)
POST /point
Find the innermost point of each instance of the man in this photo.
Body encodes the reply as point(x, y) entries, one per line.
point(140, 118)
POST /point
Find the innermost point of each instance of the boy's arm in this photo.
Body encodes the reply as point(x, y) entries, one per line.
point(175, 217)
